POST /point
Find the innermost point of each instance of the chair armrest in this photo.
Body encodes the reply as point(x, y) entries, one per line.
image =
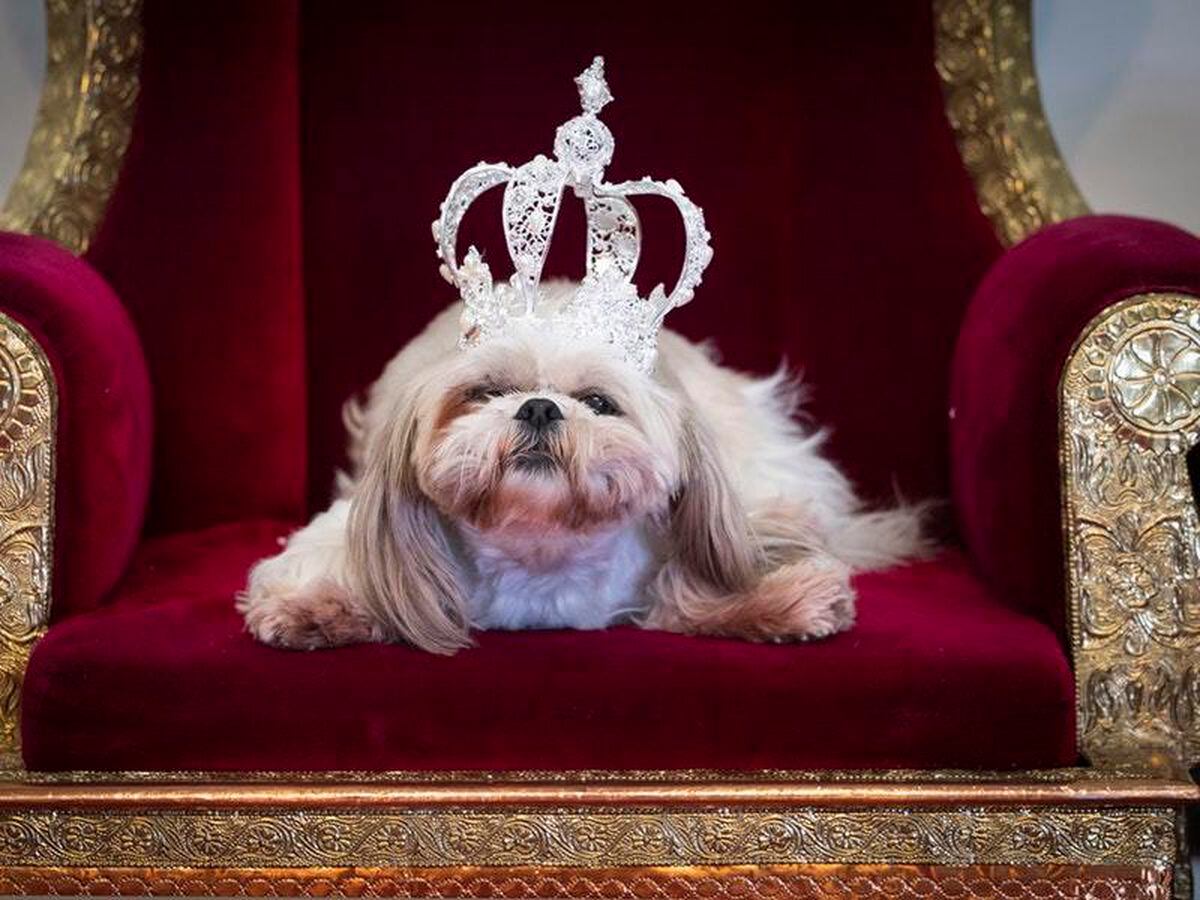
point(1081, 348)
point(1019, 329)
point(98, 468)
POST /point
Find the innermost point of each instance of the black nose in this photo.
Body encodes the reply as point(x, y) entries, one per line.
point(538, 413)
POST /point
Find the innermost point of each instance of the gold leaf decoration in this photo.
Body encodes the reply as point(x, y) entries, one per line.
point(1130, 411)
point(817, 882)
point(593, 837)
point(985, 59)
point(83, 123)
point(27, 429)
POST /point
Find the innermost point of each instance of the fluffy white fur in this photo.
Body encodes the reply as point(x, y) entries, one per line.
point(704, 506)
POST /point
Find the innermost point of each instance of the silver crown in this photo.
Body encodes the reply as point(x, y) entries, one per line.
point(606, 305)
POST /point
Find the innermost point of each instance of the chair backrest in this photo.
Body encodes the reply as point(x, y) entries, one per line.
point(270, 230)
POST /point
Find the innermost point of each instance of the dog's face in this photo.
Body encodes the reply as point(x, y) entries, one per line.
point(528, 433)
point(529, 437)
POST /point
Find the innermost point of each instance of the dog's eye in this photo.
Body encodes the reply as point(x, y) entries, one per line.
point(600, 404)
point(482, 392)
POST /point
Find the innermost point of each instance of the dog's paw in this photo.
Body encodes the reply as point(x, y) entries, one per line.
point(305, 617)
point(807, 599)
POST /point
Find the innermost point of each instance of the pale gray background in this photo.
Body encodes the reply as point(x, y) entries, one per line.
point(22, 62)
point(1121, 84)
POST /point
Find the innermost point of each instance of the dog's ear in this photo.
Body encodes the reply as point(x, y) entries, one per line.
point(399, 556)
point(710, 534)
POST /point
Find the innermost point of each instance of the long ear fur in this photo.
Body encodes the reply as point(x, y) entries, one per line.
point(399, 557)
point(713, 552)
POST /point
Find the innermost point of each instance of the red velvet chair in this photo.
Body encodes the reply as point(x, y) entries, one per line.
point(172, 408)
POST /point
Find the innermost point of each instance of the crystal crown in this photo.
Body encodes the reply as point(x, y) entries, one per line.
point(605, 306)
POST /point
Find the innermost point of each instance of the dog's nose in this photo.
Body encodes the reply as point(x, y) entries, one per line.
point(538, 413)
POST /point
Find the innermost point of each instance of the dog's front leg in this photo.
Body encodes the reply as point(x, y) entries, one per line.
point(298, 598)
point(807, 598)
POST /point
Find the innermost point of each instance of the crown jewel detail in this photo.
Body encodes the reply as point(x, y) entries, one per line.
point(606, 304)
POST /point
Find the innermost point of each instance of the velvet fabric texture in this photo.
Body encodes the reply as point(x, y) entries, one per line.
point(1020, 328)
point(937, 673)
point(846, 233)
point(202, 243)
point(104, 413)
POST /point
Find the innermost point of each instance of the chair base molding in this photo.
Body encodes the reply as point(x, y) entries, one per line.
point(1060, 833)
point(814, 881)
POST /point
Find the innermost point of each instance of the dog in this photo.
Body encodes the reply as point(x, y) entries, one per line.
point(527, 483)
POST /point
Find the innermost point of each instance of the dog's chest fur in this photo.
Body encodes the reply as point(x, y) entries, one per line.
point(554, 580)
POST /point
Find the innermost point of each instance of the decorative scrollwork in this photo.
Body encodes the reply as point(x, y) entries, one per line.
point(27, 423)
point(985, 59)
point(591, 838)
point(741, 882)
point(83, 122)
point(1130, 411)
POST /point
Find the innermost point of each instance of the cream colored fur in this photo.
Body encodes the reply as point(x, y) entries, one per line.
point(704, 507)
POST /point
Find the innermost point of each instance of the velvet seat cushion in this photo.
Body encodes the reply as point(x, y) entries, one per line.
point(937, 673)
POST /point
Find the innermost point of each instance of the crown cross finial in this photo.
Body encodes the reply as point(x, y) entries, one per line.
point(606, 305)
point(594, 94)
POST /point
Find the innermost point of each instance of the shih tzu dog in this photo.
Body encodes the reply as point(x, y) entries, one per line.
point(541, 456)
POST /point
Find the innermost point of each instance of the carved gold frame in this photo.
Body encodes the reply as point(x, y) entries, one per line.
point(1111, 830)
point(83, 123)
point(985, 58)
point(814, 882)
point(1031, 834)
point(28, 424)
point(1130, 412)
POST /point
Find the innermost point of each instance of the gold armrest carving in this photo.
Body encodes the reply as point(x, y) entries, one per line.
point(27, 434)
point(985, 59)
point(84, 121)
point(1129, 413)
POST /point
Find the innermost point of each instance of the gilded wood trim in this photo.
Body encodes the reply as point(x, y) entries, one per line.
point(811, 882)
point(1130, 411)
point(587, 838)
point(83, 122)
point(27, 434)
point(985, 59)
point(353, 794)
point(1081, 778)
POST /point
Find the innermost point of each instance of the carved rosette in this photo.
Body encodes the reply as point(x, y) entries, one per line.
point(1130, 411)
point(83, 123)
point(985, 60)
point(27, 423)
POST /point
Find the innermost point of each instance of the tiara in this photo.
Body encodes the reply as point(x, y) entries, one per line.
point(605, 305)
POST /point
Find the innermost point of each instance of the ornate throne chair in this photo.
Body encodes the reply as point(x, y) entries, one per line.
point(221, 232)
